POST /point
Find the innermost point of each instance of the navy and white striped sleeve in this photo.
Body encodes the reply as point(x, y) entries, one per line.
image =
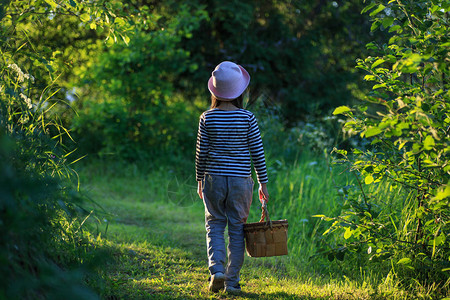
point(202, 149)
point(257, 150)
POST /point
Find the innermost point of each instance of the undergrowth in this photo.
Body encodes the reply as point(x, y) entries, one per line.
point(154, 230)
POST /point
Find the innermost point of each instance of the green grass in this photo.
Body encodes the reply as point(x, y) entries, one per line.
point(154, 231)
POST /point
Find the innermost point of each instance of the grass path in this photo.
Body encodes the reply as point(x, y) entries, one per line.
point(159, 251)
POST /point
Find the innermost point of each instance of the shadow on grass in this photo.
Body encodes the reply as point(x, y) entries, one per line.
point(274, 295)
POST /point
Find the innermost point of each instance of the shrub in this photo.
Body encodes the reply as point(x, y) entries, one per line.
point(407, 125)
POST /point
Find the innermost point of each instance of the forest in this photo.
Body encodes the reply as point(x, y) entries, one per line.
point(99, 113)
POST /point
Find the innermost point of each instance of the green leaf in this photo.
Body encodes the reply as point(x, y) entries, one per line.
point(85, 17)
point(371, 46)
point(120, 21)
point(318, 216)
point(347, 233)
point(377, 86)
point(341, 110)
point(377, 62)
point(429, 143)
point(72, 3)
point(394, 28)
point(372, 132)
point(404, 261)
point(380, 8)
point(388, 21)
point(369, 77)
point(443, 193)
point(368, 7)
point(368, 179)
point(375, 25)
point(126, 39)
point(439, 240)
point(52, 3)
point(434, 8)
point(109, 41)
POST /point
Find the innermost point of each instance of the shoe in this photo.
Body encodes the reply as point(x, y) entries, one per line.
point(217, 282)
point(233, 290)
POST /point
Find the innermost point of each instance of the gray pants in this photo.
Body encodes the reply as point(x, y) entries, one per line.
point(227, 199)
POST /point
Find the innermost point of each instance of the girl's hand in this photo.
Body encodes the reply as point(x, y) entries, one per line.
point(199, 189)
point(263, 193)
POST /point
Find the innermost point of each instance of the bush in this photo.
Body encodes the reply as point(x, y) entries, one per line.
point(38, 238)
point(407, 226)
point(44, 248)
point(111, 130)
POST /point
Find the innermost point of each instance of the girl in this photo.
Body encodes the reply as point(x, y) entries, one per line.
point(228, 139)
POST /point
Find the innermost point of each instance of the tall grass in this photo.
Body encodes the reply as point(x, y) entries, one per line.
point(305, 188)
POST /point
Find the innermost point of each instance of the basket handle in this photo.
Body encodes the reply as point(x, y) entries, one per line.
point(265, 214)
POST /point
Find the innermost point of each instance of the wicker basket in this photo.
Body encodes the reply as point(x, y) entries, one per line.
point(266, 238)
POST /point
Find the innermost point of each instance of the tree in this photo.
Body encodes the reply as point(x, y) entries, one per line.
point(300, 54)
point(407, 124)
point(42, 217)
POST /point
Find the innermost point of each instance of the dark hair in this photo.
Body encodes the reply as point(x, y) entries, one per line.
point(236, 102)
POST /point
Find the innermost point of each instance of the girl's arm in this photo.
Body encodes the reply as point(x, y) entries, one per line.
point(263, 193)
point(199, 189)
point(257, 151)
point(201, 150)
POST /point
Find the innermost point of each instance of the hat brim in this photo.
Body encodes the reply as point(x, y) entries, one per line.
point(231, 94)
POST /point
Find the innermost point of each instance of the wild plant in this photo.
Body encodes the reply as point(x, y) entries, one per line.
point(398, 214)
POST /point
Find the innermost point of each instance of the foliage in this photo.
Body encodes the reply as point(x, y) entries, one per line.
point(38, 26)
point(39, 209)
point(111, 129)
point(40, 233)
point(408, 125)
point(138, 115)
point(44, 248)
point(315, 135)
point(300, 54)
point(143, 71)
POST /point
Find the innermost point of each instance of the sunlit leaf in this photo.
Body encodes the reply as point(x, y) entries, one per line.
point(347, 233)
point(375, 25)
point(109, 41)
point(85, 17)
point(404, 261)
point(341, 110)
point(126, 39)
point(368, 179)
point(318, 216)
point(428, 143)
point(372, 132)
point(120, 21)
point(443, 193)
point(52, 3)
point(380, 8)
point(368, 7)
point(395, 28)
point(377, 62)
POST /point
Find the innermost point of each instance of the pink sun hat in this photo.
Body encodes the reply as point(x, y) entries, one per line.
point(228, 81)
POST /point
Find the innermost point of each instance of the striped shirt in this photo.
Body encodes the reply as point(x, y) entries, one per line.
point(226, 142)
